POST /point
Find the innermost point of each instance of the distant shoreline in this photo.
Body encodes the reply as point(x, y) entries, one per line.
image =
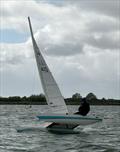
point(40, 100)
point(67, 103)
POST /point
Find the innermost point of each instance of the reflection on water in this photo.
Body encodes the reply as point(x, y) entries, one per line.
point(100, 137)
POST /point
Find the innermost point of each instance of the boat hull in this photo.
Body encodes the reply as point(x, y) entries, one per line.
point(69, 119)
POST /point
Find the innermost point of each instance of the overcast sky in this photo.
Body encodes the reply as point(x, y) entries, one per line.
point(80, 41)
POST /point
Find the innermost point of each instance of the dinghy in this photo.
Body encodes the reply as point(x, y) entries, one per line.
point(59, 119)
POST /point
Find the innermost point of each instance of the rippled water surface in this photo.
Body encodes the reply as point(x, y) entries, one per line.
point(100, 137)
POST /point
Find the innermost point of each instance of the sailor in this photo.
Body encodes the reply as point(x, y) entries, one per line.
point(84, 108)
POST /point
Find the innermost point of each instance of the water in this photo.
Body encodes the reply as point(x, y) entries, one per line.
point(100, 137)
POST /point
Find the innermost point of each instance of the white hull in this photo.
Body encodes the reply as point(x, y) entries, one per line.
point(69, 119)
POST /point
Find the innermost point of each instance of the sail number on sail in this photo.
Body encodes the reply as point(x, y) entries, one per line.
point(44, 69)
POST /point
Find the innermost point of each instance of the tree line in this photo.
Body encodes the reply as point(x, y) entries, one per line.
point(40, 100)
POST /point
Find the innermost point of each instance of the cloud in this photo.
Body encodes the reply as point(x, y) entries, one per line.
point(80, 42)
point(104, 41)
point(62, 31)
point(108, 8)
point(90, 72)
point(14, 55)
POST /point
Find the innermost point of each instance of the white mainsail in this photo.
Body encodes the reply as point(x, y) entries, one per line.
point(53, 95)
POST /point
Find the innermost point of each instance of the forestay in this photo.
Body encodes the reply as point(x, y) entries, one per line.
point(53, 95)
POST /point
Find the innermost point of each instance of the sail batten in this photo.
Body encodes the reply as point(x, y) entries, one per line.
point(52, 92)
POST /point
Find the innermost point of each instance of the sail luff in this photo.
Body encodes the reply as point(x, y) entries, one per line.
point(30, 28)
point(36, 47)
point(53, 95)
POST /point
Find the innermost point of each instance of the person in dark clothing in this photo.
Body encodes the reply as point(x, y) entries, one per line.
point(84, 108)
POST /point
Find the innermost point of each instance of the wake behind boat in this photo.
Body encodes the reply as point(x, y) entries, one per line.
point(59, 117)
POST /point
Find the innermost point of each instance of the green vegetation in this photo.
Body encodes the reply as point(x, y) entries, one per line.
point(40, 100)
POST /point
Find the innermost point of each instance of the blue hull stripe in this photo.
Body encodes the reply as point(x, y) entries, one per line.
point(68, 117)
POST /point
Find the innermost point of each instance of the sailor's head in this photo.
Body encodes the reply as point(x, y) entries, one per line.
point(83, 100)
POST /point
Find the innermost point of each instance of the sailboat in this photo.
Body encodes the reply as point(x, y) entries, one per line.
point(59, 118)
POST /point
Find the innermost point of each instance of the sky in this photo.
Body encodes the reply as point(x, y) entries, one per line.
point(80, 41)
